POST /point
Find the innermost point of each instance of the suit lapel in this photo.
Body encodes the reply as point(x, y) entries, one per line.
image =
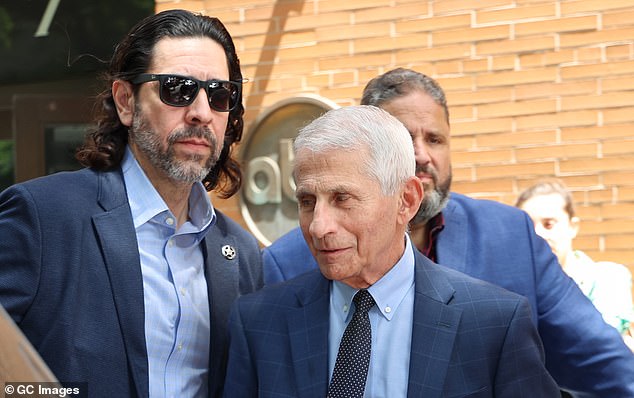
point(434, 331)
point(222, 274)
point(451, 248)
point(308, 324)
point(115, 232)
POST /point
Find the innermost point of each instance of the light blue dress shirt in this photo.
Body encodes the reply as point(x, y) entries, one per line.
point(391, 320)
point(177, 329)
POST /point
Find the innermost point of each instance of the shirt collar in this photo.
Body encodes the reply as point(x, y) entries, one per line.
point(146, 203)
point(388, 292)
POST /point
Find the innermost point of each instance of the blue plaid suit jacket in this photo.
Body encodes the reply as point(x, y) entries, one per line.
point(469, 337)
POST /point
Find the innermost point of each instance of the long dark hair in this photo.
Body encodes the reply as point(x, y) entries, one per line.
point(104, 147)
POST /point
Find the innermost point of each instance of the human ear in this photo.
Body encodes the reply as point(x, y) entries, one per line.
point(411, 198)
point(123, 97)
point(574, 226)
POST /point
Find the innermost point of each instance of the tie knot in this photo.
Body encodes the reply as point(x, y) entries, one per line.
point(363, 300)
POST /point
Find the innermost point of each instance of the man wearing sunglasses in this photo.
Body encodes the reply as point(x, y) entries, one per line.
point(122, 274)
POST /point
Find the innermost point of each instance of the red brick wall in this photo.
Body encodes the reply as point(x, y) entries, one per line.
point(536, 88)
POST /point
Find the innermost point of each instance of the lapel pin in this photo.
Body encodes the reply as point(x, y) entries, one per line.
point(228, 252)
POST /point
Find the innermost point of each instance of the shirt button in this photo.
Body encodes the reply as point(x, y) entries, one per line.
point(183, 291)
point(388, 309)
point(169, 221)
point(180, 346)
point(345, 308)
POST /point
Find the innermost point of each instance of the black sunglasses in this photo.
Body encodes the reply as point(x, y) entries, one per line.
point(178, 90)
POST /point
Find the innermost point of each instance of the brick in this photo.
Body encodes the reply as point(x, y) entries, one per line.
point(625, 193)
point(353, 31)
point(595, 132)
point(389, 43)
point(481, 128)
point(516, 77)
point(432, 54)
point(606, 100)
point(443, 37)
point(433, 23)
point(588, 213)
point(503, 62)
point(557, 25)
point(482, 186)
point(511, 170)
point(559, 119)
point(574, 7)
point(344, 62)
point(475, 65)
point(618, 115)
point(277, 9)
point(586, 243)
point(600, 196)
point(314, 51)
point(618, 52)
point(550, 90)
point(514, 14)
point(243, 29)
point(617, 211)
point(478, 157)
point(274, 41)
point(609, 227)
point(327, 6)
point(619, 18)
point(313, 21)
point(521, 45)
point(597, 70)
point(517, 139)
point(441, 7)
point(619, 178)
point(623, 241)
point(417, 10)
point(462, 173)
point(557, 152)
point(592, 164)
point(191, 5)
point(546, 58)
point(589, 55)
point(602, 36)
point(483, 96)
point(448, 67)
point(465, 112)
point(453, 83)
point(530, 107)
point(619, 147)
point(462, 143)
point(583, 182)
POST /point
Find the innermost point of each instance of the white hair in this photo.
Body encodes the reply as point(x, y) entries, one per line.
point(353, 128)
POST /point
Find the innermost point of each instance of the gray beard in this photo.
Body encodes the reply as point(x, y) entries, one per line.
point(149, 143)
point(433, 203)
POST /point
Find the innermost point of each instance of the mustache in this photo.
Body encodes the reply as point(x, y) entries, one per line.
point(193, 132)
point(427, 169)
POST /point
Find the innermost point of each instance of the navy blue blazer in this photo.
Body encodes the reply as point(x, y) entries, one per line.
point(71, 279)
point(497, 243)
point(469, 338)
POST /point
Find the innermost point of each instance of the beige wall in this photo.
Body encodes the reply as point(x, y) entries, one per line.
point(535, 88)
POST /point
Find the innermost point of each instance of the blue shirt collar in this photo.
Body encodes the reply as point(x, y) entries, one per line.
point(146, 203)
point(388, 292)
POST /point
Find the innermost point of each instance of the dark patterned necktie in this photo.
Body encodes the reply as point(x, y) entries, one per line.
point(353, 358)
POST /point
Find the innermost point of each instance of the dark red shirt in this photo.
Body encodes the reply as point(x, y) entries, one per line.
point(436, 224)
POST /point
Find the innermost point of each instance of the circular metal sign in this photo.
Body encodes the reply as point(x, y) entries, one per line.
point(267, 197)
